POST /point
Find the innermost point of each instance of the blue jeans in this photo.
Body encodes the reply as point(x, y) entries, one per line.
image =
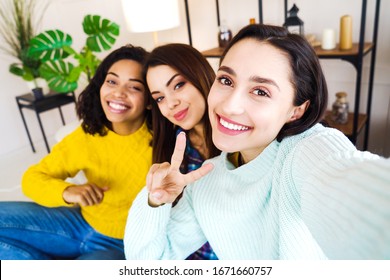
point(30, 231)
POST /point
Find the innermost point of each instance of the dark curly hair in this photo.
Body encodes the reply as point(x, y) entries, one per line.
point(89, 108)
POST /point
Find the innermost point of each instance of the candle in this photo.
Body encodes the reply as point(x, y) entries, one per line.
point(346, 32)
point(328, 39)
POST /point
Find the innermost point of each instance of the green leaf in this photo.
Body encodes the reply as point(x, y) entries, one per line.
point(50, 45)
point(16, 69)
point(22, 71)
point(75, 73)
point(69, 50)
point(102, 33)
point(47, 51)
point(29, 74)
point(57, 75)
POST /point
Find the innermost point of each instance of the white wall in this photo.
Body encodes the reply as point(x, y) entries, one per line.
point(67, 15)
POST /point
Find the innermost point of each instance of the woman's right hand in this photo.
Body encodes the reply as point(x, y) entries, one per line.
point(84, 195)
point(165, 182)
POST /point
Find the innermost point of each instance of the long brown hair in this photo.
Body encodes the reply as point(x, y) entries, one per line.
point(195, 68)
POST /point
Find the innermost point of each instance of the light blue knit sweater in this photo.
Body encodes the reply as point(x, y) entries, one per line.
point(312, 196)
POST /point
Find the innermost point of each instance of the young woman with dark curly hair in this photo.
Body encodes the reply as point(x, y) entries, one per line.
point(112, 148)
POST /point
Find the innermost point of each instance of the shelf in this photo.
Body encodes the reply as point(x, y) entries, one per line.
point(341, 53)
point(215, 52)
point(336, 53)
point(347, 128)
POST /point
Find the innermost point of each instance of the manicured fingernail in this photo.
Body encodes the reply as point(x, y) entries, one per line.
point(157, 195)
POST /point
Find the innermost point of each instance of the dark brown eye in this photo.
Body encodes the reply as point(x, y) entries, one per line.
point(179, 85)
point(225, 81)
point(260, 92)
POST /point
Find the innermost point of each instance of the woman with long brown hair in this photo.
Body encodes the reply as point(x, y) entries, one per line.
point(179, 79)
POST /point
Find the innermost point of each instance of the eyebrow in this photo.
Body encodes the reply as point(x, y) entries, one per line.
point(171, 79)
point(168, 83)
point(131, 80)
point(256, 79)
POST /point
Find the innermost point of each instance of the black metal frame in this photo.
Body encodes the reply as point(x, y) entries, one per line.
point(357, 62)
point(218, 17)
point(48, 102)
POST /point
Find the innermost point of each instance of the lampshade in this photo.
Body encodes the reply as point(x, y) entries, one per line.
point(151, 15)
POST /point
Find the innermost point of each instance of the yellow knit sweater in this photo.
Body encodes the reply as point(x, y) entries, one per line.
point(118, 162)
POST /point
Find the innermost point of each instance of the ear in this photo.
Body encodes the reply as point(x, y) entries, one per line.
point(149, 107)
point(299, 111)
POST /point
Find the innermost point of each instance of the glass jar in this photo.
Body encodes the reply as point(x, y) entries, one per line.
point(224, 36)
point(340, 108)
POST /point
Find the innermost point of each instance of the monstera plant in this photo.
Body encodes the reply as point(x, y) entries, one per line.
point(61, 65)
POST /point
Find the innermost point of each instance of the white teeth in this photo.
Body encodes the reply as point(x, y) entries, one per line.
point(232, 126)
point(117, 106)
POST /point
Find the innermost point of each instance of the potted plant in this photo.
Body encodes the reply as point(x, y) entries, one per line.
point(19, 20)
point(54, 48)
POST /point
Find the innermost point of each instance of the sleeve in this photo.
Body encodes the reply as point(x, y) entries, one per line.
point(45, 182)
point(345, 198)
point(163, 232)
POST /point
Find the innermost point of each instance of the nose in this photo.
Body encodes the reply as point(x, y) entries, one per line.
point(172, 101)
point(120, 92)
point(233, 103)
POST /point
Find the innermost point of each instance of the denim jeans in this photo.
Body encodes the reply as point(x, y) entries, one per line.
point(30, 231)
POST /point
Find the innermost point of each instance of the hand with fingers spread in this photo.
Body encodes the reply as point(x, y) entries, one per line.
point(84, 195)
point(165, 182)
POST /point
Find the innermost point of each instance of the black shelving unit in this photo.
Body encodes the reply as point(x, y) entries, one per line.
point(354, 56)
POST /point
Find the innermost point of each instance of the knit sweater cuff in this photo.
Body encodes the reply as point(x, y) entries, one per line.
point(145, 224)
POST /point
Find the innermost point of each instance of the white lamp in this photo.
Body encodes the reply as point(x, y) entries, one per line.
point(151, 15)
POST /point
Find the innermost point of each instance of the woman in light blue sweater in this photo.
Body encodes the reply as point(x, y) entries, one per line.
point(284, 187)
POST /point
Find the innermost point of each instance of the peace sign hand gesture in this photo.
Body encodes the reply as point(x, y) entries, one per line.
point(165, 182)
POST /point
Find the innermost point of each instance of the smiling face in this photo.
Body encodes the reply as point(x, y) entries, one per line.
point(122, 96)
point(251, 98)
point(178, 100)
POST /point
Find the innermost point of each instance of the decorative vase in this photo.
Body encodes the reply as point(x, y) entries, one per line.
point(38, 93)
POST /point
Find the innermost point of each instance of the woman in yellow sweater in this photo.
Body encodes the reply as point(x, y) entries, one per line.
point(112, 148)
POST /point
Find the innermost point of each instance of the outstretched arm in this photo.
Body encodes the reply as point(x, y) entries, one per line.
point(348, 213)
point(345, 197)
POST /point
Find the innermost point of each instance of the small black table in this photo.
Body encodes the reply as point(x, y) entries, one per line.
point(48, 102)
